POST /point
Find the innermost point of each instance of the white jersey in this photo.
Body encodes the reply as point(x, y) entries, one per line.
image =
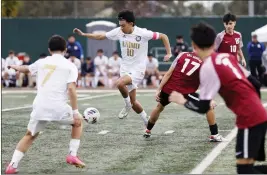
point(12, 61)
point(53, 75)
point(101, 63)
point(152, 65)
point(77, 63)
point(134, 47)
point(114, 64)
point(3, 64)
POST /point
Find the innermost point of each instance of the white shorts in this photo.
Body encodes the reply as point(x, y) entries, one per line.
point(136, 76)
point(35, 125)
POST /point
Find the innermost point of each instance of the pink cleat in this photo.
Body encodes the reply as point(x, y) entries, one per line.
point(74, 160)
point(11, 170)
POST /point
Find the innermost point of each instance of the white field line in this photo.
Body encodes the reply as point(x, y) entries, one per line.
point(79, 99)
point(215, 152)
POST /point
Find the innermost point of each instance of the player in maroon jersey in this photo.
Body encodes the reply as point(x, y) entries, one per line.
point(220, 72)
point(182, 76)
point(229, 40)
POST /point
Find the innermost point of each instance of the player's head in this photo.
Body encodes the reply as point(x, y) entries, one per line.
point(229, 21)
point(11, 53)
point(126, 20)
point(150, 56)
point(71, 38)
point(115, 54)
point(100, 52)
point(179, 39)
point(57, 44)
point(26, 58)
point(254, 38)
point(203, 37)
point(88, 60)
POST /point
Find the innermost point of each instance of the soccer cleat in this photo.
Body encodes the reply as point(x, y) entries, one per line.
point(11, 170)
point(147, 133)
point(74, 160)
point(217, 138)
point(124, 112)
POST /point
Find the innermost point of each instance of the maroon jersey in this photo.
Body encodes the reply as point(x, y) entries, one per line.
point(185, 76)
point(222, 73)
point(226, 43)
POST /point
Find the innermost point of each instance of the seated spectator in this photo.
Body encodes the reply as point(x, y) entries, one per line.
point(114, 64)
point(180, 46)
point(10, 76)
point(264, 66)
point(88, 72)
point(101, 64)
point(152, 72)
point(74, 47)
point(2, 70)
point(77, 63)
point(27, 76)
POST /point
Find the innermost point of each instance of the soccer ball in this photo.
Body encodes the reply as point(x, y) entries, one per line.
point(91, 115)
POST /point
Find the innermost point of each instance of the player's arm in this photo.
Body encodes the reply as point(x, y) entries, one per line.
point(240, 53)
point(166, 43)
point(22, 68)
point(96, 36)
point(73, 96)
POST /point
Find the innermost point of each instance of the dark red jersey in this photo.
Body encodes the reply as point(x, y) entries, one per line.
point(222, 73)
point(226, 43)
point(185, 76)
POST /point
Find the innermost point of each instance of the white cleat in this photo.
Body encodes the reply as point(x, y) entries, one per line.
point(217, 138)
point(124, 112)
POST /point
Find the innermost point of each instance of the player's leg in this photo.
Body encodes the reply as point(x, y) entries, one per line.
point(34, 127)
point(30, 80)
point(110, 77)
point(20, 81)
point(250, 143)
point(252, 67)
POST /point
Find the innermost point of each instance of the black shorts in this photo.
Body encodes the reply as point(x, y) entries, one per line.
point(250, 142)
point(164, 97)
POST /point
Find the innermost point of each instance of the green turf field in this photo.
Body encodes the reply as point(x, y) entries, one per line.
point(122, 149)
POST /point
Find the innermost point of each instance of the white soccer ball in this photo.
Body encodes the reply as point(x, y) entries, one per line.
point(91, 115)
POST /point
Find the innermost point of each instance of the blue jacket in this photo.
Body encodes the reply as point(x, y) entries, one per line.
point(255, 50)
point(76, 49)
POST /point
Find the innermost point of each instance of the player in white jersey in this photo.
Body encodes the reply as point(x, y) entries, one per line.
point(56, 81)
point(134, 46)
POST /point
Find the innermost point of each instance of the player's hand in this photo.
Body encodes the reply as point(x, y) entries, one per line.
point(78, 31)
point(12, 67)
point(157, 96)
point(77, 120)
point(213, 104)
point(177, 97)
point(167, 57)
point(243, 62)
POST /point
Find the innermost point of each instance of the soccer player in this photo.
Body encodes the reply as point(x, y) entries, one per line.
point(183, 77)
point(229, 40)
point(134, 46)
point(56, 81)
point(221, 73)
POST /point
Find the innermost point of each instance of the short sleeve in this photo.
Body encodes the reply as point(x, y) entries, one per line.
point(148, 34)
point(73, 76)
point(218, 41)
point(241, 42)
point(113, 34)
point(174, 63)
point(209, 81)
point(33, 68)
point(156, 62)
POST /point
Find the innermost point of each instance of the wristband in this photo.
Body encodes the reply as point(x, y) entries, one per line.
point(76, 111)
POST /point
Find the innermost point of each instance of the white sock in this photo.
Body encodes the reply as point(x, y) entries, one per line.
point(143, 116)
point(79, 83)
point(17, 156)
point(74, 146)
point(7, 83)
point(157, 83)
point(144, 83)
point(110, 83)
point(127, 101)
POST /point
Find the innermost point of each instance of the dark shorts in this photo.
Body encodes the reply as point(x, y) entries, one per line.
point(164, 97)
point(250, 142)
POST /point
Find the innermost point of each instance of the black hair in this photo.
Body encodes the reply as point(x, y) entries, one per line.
point(150, 54)
point(11, 52)
point(88, 58)
point(100, 51)
point(179, 37)
point(229, 17)
point(115, 52)
point(43, 55)
point(57, 43)
point(127, 15)
point(203, 35)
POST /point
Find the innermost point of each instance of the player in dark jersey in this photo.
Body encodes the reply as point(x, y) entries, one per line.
point(182, 76)
point(229, 40)
point(220, 72)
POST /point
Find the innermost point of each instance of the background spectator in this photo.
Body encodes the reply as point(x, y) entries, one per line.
point(77, 63)
point(255, 50)
point(75, 48)
point(10, 75)
point(114, 64)
point(88, 72)
point(152, 72)
point(101, 65)
point(25, 76)
point(180, 46)
point(264, 63)
point(2, 70)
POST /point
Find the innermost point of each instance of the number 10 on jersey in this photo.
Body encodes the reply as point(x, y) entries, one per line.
point(130, 52)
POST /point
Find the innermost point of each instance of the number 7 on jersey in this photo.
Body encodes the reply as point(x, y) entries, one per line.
point(51, 69)
point(191, 71)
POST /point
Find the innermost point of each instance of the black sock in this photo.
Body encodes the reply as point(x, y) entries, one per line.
point(246, 169)
point(150, 125)
point(261, 168)
point(214, 129)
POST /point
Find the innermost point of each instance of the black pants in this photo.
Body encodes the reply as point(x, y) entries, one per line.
point(255, 65)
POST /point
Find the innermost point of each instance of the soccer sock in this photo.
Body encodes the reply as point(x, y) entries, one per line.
point(74, 146)
point(214, 129)
point(79, 83)
point(143, 117)
point(246, 169)
point(7, 83)
point(127, 101)
point(157, 83)
point(17, 156)
point(110, 84)
point(150, 125)
point(144, 83)
point(261, 168)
